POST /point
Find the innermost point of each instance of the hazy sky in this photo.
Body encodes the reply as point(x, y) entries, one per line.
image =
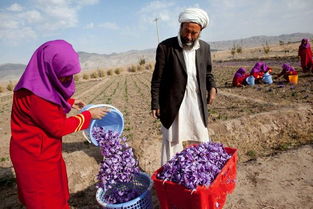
point(108, 26)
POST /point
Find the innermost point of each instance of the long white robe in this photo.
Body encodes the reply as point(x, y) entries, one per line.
point(188, 125)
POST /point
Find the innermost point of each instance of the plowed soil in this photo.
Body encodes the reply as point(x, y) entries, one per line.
point(270, 125)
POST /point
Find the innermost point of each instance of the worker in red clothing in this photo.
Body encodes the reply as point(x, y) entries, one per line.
point(38, 121)
point(305, 55)
point(240, 77)
point(287, 70)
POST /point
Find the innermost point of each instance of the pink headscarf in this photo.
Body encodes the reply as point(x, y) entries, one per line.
point(305, 43)
point(51, 61)
point(287, 67)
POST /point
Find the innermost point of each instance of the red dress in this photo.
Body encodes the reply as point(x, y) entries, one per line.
point(306, 58)
point(240, 80)
point(36, 149)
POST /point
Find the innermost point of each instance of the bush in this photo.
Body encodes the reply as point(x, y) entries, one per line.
point(132, 69)
point(148, 66)
point(252, 154)
point(94, 75)
point(1, 89)
point(236, 49)
point(266, 48)
point(110, 72)
point(101, 73)
point(142, 61)
point(117, 71)
point(86, 76)
point(76, 77)
point(140, 67)
point(10, 86)
point(239, 49)
point(233, 51)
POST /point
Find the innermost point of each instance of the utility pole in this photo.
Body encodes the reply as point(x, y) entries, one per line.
point(156, 23)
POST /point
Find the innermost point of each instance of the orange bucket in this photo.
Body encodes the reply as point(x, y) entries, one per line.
point(293, 79)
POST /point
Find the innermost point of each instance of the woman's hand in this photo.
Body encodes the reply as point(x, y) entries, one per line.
point(98, 112)
point(78, 104)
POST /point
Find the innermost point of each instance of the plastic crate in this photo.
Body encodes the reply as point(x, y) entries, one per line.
point(142, 183)
point(174, 196)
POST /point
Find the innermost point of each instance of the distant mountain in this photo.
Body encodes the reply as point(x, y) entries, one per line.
point(93, 61)
point(88, 61)
point(99, 61)
point(11, 71)
point(260, 40)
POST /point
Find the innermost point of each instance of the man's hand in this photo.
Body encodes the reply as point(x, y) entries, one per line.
point(155, 113)
point(212, 95)
point(78, 104)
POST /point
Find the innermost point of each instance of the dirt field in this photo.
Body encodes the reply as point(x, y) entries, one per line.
point(270, 125)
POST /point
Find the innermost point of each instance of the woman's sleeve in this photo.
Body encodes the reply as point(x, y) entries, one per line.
point(51, 118)
point(71, 101)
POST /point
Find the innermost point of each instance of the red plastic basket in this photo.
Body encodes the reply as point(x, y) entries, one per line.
point(174, 196)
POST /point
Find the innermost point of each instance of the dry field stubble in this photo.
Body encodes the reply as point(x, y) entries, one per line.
point(266, 123)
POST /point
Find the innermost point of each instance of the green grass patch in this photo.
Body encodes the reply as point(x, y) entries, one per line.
point(252, 154)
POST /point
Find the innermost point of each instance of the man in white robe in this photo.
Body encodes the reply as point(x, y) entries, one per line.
point(182, 84)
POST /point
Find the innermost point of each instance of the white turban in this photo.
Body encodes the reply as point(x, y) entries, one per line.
point(194, 15)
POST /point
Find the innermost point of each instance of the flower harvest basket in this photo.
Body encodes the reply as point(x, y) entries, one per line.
point(173, 195)
point(142, 184)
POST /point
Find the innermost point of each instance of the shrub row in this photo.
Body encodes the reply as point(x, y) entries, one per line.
point(97, 74)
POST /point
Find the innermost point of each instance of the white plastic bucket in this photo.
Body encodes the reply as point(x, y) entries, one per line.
point(113, 121)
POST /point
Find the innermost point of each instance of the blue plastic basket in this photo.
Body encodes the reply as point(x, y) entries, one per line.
point(267, 78)
point(113, 121)
point(142, 183)
point(250, 80)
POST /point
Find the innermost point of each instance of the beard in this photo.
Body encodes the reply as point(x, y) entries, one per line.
point(188, 44)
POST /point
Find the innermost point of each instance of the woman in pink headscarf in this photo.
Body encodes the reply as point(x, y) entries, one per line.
point(259, 70)
point(240, 77)
point(287, 70)
point(305, 55)
point(38, 121)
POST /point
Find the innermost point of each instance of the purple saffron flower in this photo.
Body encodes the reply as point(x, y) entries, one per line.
point(197, 165)
point(118, 165)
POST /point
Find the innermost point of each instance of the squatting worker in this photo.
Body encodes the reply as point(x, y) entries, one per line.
point(182, 84)
point(38, 122)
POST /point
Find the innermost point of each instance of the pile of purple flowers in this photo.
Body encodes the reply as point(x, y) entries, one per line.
point(117, 196)
point(196, 165)
point(118, 165)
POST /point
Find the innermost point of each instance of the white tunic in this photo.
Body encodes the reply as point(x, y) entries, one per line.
point(188, 125)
